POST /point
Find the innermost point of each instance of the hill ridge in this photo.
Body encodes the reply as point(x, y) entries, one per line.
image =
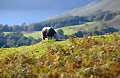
point(93, 8)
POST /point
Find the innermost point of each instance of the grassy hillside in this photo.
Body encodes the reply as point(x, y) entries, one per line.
point(67, 30)
point(97, 57)
point(114, 22)
point(73, 29)
point(36, 49)
point(92, 8)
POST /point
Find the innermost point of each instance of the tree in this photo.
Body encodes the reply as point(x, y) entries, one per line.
point(78, 34)
point(97, 33)
point(109, 30)
point(61, 34)
point(17, 28)
point(2, 40)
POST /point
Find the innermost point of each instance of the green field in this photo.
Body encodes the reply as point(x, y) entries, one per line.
point(73, 29)
point(35, 34)
point(67, 30)
point(96, 57)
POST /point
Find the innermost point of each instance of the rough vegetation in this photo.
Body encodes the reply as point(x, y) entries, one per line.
point(95, 57)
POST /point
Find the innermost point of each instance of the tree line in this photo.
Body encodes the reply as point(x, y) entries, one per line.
point(16, 39)
point(108, 30)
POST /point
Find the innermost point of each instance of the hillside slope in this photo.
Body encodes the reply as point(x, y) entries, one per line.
point(114, 22)
point(77, 58)
point(93, 8)
point(37, 49)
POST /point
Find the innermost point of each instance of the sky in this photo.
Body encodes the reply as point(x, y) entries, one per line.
point(17, 12)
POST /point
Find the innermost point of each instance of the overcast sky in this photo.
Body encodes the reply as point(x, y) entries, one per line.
point(31, 11)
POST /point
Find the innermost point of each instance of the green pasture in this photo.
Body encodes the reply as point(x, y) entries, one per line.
point(73, 29)
point(35, 34)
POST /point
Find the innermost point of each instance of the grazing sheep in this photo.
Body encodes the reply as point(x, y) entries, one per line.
point(49, 32)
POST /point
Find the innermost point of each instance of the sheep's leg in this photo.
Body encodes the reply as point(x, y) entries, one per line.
point(43, 38)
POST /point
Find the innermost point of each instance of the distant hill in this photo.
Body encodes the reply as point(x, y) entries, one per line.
point(106, 10)
point(114, 22)
point(75, 20)
point(93, 8)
